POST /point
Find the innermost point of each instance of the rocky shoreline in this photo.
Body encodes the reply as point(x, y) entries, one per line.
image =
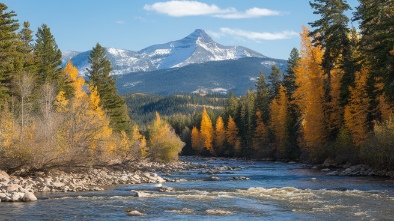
point(352, 170)
point(22, 189)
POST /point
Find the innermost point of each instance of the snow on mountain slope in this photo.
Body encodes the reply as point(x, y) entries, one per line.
point(198, 47)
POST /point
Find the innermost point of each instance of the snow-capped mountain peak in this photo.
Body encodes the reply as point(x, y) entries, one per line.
point(198, 47)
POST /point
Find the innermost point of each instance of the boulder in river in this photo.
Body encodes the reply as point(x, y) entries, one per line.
point(29, 197)
point(218, 212)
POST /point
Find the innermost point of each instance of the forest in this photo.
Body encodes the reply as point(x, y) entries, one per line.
point(333, 103)
point(52, 118)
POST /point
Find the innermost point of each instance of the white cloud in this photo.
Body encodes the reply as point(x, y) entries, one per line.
point(178, 8)
point(256, 36)
point(121, 22)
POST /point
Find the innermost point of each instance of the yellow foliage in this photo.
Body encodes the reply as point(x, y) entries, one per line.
point(61, 102)
point(206, 131)
point(220, 135)
point(232, 136)
point(278, 122)
point(261, 132)
point(309, 95)
point(356, 111)
point(197, 143)
point(384, 107)
point(164, 144)
point(334, 110)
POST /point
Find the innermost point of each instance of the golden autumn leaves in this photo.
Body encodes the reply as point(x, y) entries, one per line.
point(216, 141)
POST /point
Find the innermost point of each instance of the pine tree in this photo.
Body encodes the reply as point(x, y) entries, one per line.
point(331, 33)
point(113, 104)
point(376, 25)
point(48, 57)
point(207, 132)
point(275, 79)
point(11, 60)
point(289, 78)
point(262, 97)
point(27, 47)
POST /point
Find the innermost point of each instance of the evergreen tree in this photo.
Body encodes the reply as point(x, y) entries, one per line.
point(275, 79)
point(331, 33)
point(376, 25)
point(113, 104)
point(27, 47)
point(289, 78)
point(262, 97)
point(11, 60)
point(48, 57)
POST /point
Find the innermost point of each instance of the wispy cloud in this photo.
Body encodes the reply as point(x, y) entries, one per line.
point(255, 36)
point(179, 8)
point(120, 22)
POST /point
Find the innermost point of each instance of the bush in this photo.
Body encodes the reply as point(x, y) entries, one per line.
point(378, 149)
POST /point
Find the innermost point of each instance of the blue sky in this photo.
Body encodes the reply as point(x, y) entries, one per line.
point(270, 27)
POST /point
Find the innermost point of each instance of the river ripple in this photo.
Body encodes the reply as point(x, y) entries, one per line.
point(275, 191)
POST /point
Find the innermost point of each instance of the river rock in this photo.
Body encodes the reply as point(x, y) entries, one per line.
point(135, 213)
point(29, 197)
point(139, 193)
point(241, 178)
point(218, 212)
point(212, 178)
point(166, 189)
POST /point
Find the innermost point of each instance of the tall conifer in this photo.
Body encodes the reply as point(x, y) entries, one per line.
point(113, 104)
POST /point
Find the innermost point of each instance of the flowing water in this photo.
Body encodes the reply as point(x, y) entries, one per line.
point(275, 191)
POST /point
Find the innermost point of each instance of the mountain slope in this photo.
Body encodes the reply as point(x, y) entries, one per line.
point(209, 77)
point(198, 47)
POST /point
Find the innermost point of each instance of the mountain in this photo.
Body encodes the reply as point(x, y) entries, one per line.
point(196, 48)
point(209, 77)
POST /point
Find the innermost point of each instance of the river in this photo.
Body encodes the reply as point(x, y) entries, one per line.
point(275, 191)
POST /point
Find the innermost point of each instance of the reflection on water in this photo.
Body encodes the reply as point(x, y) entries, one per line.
point(275, 191)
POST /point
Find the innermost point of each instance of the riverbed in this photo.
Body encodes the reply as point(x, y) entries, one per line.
point(243, 190)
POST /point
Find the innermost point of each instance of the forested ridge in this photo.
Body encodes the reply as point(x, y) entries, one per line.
point(334, 102)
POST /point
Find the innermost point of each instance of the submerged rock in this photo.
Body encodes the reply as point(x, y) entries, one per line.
point(183, 211)
point(135, 213)
point(218, 212)
point(212, 178)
